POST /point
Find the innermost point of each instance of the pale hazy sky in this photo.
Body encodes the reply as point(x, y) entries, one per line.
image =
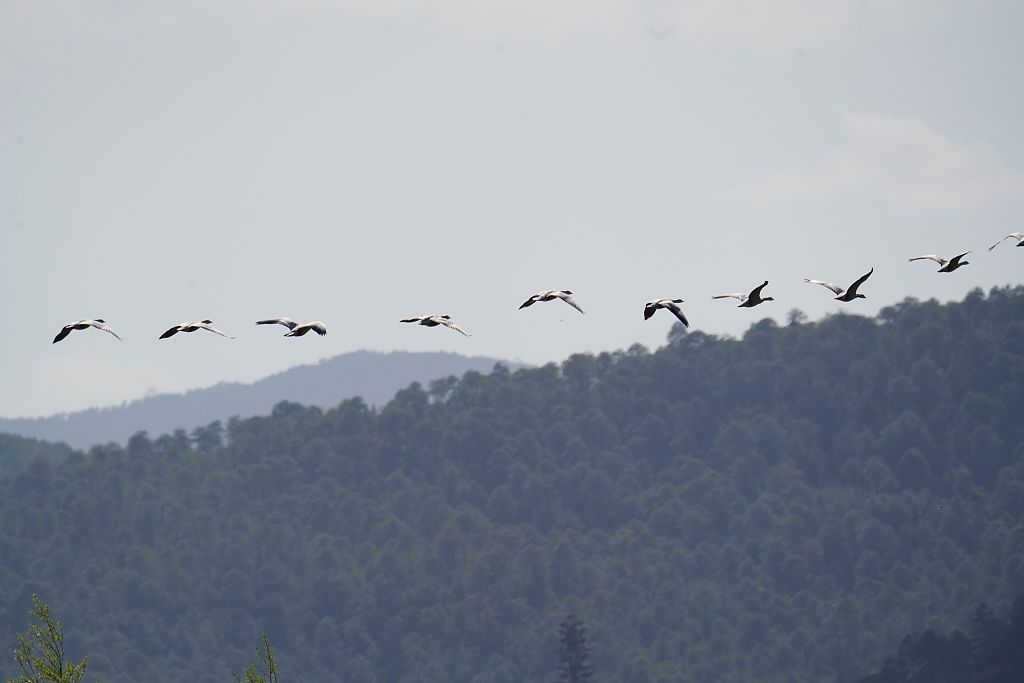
point(359, 161)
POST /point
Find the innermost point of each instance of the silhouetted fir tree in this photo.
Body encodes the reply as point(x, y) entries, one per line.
point(574, 653)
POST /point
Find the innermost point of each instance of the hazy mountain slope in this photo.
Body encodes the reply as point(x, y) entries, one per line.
point(373, 376)
point(779, 508)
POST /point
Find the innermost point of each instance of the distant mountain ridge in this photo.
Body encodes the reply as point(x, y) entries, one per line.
point(374, 376)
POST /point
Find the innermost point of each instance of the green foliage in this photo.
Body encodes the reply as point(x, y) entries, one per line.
point(779, 508)
point(993, 652)
point(18, 453)
point(264, 670)
point(40, 651)
point(573, 653)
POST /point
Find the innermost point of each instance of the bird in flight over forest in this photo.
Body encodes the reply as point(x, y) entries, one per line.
point(434, 321)
point(295, 329)
point(668, 304)
point(946, 265)
point(1019, 236)
point(844, 294)
point(550, 295)
point(192, 327)
point(98, 323)
point(748, 300)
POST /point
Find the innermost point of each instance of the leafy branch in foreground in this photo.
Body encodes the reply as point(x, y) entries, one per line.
point(263, 672)
point(40, 652)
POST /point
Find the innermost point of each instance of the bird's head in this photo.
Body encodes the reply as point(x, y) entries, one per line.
point(677, 301)
point(860, 296)
point(100, 320)
point(767, 298)
point(207, 322)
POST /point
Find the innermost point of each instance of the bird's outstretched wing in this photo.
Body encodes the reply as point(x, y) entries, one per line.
point(956, 259)
point(99, 325)
point(64, 332)
point(287, 322)
point(564, 296)
point(677, 312)
point(836, 289)
point(853, 288)
point(1019, 236)
point(755, 293)
point(737, 295)
point(171, 332)
point(447, 322)
point(931, 257)
point(211, 328)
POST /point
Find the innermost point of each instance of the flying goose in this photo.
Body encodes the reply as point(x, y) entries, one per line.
point(98, 323)
point(434, 321)
point(192, 327)
point(1019, 236)
point(748, 300)
point(947, 266)
point(844, 294)
point(668, 304)
point(302, 329)
point(294, 328)
point(551, 294)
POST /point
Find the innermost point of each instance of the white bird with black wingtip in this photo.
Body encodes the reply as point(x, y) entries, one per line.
point(671, 305)
point(945, 265)
point(550, 295)
point(98, 323)
point(748, 300)
point(846, 294)
point(296, 329)
point(435, 320)
point(192, 326)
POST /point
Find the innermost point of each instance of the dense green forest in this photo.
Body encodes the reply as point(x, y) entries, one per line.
point(17, 452)
point(782, 507)
point(992, 651)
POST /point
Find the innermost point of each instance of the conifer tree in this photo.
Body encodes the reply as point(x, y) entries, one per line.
point(574, 653)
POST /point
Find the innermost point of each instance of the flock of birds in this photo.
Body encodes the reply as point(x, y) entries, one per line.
point(747, 300)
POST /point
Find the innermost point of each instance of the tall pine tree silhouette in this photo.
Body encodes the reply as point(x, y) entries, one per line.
point(574, 653)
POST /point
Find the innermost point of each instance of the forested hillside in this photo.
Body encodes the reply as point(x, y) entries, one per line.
point(992, 651)
point(17, 452)
point(782, 507)
point(375, 377)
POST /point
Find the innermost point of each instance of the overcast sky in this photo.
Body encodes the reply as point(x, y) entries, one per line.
point(360, 161)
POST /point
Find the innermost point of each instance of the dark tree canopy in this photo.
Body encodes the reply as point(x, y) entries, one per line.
point(993, 652)
point(573, 652)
